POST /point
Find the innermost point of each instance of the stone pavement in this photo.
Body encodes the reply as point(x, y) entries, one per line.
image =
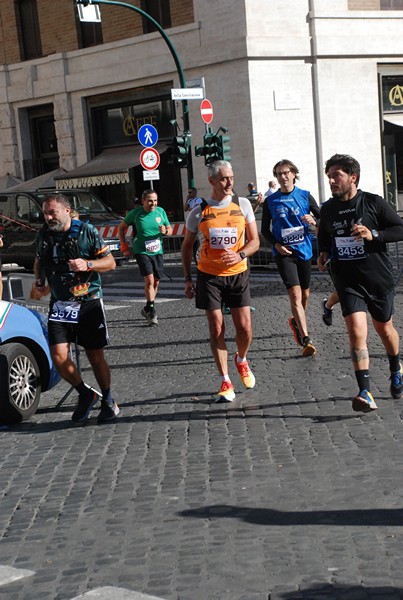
point(284, 494)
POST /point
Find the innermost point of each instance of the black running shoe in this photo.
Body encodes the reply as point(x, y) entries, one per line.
point(364, 402)
point(295, 331)
point(396, 383)
point(109, 411)
point(84, 406)
point(152, 318)
point(145, 313)
point(327, 314)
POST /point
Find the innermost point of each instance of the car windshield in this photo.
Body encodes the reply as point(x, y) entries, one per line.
point(82, 201)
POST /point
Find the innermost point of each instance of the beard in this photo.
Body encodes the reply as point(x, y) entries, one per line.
point(56, 225)
point(340, 193)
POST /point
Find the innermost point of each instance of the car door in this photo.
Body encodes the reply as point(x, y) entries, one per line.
point(26, 221)
point(8, 226)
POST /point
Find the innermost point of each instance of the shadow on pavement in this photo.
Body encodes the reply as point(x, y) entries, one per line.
point(212, 411)
point(342, 591)
point(374, 517)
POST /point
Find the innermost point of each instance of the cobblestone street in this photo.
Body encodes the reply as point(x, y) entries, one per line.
point(285, 493)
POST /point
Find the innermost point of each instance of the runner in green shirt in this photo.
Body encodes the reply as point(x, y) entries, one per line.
point(150, 223)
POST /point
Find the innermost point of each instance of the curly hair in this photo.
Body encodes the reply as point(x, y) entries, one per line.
point(347, 163)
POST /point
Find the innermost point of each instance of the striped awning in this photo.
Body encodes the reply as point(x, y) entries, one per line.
point(111, 167)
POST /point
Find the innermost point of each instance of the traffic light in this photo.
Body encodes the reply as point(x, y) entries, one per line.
point(210, 149)
point(215, 147)
point(205, 149)
point(178, 150)
point(225, 148)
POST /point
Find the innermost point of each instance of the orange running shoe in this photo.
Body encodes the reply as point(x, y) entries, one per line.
point(309, 349)
point(226, 393)
point(246, 375)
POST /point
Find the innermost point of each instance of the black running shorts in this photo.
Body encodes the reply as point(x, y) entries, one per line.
point(294, 271)
point(150, 265)
point(212, 291)
point(380, 308)
point(90, 332)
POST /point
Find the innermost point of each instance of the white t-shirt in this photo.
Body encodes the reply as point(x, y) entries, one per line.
point(194, 216)
point(193, 202)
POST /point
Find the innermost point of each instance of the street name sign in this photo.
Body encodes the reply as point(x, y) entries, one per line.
point(187, 94)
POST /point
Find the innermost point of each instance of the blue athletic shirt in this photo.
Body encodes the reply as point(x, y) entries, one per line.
point(286, 211)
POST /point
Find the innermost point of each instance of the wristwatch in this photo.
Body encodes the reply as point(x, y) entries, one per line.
point(375, 234)
point(242, 254)
point(90, 265)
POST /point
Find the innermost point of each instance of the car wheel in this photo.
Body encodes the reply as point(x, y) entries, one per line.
point(20, 383)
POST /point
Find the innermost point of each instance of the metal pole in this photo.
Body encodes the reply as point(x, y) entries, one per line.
point(178, 64)
point(316, 103)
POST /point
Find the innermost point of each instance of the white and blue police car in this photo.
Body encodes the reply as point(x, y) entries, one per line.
point(26, 367)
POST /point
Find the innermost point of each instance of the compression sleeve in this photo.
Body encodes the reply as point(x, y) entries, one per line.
point(390, 223)
point(314, 208)
point(324, 237)
point(266, 222)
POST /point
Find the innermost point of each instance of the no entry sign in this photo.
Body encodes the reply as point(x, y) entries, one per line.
point(206, 111)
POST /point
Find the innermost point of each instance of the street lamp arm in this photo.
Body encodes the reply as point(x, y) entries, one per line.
point(154, 22)
point(175, 56)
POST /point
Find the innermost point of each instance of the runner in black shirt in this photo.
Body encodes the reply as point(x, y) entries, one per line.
point(354, 228)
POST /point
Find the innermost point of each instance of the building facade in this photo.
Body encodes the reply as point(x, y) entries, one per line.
point(302, 80)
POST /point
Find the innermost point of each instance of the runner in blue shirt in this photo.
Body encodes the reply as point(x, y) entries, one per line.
point(286, 218)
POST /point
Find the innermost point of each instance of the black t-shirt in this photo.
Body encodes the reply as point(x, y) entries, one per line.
point(359, 266)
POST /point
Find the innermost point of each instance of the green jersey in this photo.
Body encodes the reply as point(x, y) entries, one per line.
point(147, 237)
point(54, 249)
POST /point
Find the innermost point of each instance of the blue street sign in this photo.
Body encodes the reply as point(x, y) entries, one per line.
point(147, 136)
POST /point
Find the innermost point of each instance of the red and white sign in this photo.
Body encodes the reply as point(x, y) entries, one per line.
point(149, 159)
point(206, 111)
point(178, 229)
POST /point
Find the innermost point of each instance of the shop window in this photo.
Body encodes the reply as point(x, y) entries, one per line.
point(391, 4)
point(28, 29)
point(159, 10)
point(118, 125)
